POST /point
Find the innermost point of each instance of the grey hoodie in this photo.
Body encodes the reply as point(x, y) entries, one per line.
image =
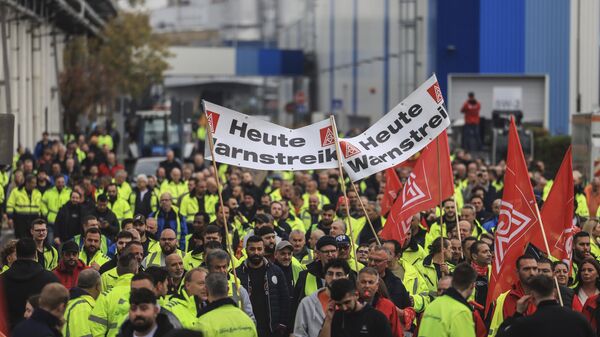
point(309, 316)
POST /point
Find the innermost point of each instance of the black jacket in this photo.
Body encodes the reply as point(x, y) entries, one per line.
point(68, 221)
point(40, 324)
point(23, 279)
point(143, 205)
point(276, 291)
point(164, 323)
point(398, 293)
point(110, 217)
point(549, 320)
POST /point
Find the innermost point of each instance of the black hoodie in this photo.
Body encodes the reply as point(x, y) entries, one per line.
point(163, 322)
point(23, 279)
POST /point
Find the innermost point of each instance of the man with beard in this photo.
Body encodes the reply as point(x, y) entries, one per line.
point(347, 316)
point(224, 220)
point(168, 246)
point(140, 225)
point(91, 254)
point(186, 304)
point(368, 291)
point(123, 238)
point(279, 221)
point(264, 280)
point(449, 219)
point(506, 304)
point(311, 279)
point(581, 249)
point(69, 265)
point(267, 234)
point(248, 206)
point(174, 265)
point(109, 225)
point(291, 267)
point(88, 222)
point(311, 311)
point(116, 204)
point(456, 250)
point(145, 318)
point(481, 259)
point(327, 216)
point(198, 200)
point(68, 219)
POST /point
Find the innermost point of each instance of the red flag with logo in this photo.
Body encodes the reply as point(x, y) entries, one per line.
point(517, 219)
point(557, 214)
point(429, 183)
point(392, 187)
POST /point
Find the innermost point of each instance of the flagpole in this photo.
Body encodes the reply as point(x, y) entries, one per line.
point(338, 149)
point(366, 216)
point(442, 225)
point(537, 209)
point(228, 243)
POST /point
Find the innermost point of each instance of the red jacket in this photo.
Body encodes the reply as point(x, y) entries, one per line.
point(588, 309)
point(388, 308)
point(69, 278)
point(471, 111)
point(510, 304)
point(105, 170)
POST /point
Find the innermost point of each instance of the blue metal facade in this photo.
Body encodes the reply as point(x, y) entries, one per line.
point(269, 62)
point(502, 36)
point(457, 32)
point(547, 27)
point(506, 36)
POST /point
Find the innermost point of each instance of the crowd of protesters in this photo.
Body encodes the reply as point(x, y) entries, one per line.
point(99, 253)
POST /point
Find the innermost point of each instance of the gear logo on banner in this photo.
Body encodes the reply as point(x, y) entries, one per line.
point(436, 93)
point(327, 136)
point(213, 120)
point(509, 217)
point(412, 193)
point(348, 150)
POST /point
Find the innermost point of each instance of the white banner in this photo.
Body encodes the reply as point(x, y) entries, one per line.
point(402, 132)
point(247, 141)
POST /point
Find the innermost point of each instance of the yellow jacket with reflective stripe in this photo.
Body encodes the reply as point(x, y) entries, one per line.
point(224, 321)
point(498, 316)
point(189, 206)
point(157, 259)
point(323, 200)
point(109, 279)
point(124, 191)
point(414, 256)
point(447, 317)
point(175, 189)
point(183, 306)
point(111, 309)
point(98, 258)
point(20, 202)
point(50, 257)
point(53, 200)
point(415, 284)
point(77, 314)
point(121, 209)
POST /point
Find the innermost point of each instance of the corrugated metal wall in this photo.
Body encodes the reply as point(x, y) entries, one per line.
point(457, 31)
point(502, 36)
point(547, 27)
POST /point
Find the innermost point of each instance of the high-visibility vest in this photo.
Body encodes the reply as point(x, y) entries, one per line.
point(105, 140)
point(312, 284)
point(175, 189)
point(121, 209)
point(98, 258)
point(498, 316)
point(183, 306)
point(157, 259)
point(111, 308)
point(50, 256)
point(52, 201)
point(77, 315)
point(20, 202)
point(109, 279)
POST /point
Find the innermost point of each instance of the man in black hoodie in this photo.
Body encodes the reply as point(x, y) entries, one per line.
point(47, 319)
point(68, 219)
point(24, 278)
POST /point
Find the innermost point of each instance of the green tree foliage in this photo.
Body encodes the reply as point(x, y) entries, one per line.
point(125, 61)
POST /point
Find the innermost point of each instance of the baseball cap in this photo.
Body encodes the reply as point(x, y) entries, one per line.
point(264, 231)
point(342, 239)
point(69, 246)
point(139, 219)
point(283, 244)
point(326, 240)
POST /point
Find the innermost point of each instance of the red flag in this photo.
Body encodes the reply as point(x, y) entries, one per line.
point(557, 214)
point(518, 216)
point(429, 183)
point(392, 187)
